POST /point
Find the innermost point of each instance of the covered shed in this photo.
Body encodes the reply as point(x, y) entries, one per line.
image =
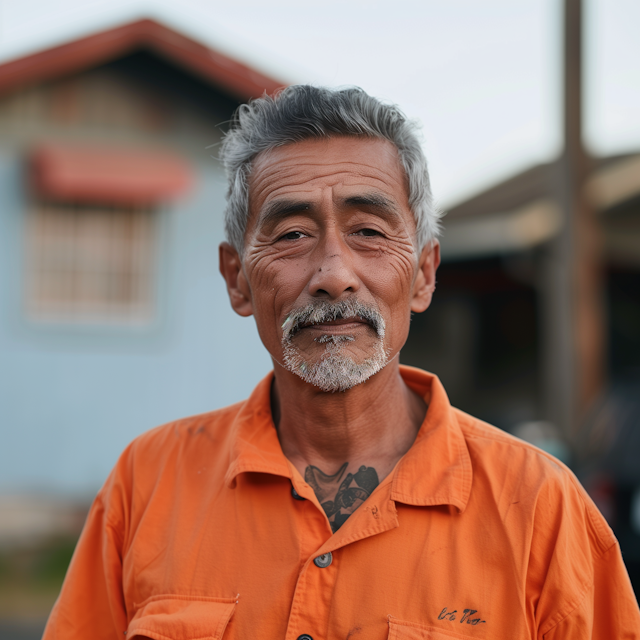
point(489, 332)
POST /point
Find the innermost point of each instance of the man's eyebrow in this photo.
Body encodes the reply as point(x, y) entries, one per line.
point(378, 203)
point(279, 209)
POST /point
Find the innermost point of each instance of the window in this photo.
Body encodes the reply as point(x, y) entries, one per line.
point(90, 263)
point(91, 233)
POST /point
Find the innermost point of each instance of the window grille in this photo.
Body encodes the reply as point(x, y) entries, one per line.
point(90, 263)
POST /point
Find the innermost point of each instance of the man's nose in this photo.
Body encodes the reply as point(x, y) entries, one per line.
point(334, 269)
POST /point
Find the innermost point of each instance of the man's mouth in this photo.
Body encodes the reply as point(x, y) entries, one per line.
point(340, 325)
point(333, 318)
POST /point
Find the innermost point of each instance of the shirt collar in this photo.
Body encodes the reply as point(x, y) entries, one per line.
point(436, 470)
point(254, 440)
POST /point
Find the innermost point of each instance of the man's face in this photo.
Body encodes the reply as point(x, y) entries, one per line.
point(330, 268)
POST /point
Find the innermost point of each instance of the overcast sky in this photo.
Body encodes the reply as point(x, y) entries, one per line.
point(483, 77)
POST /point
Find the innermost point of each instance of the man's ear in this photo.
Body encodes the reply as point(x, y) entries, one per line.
point(237, 285)
point(425, 283)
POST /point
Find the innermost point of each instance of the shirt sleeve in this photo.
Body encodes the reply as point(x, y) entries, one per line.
point(91, 602)
point(580, 586)
point(608, 609)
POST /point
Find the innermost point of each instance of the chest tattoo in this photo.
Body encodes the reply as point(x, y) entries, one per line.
point(341, 495)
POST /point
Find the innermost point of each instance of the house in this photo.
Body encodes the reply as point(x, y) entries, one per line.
point(113, 316)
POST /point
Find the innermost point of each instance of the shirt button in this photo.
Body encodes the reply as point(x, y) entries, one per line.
point(305, 636)
point(323, 561)
point(297, 496)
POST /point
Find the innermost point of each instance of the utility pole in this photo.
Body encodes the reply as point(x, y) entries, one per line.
point(573, 327)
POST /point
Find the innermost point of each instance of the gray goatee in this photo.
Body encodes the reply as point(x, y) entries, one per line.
point(336, 370)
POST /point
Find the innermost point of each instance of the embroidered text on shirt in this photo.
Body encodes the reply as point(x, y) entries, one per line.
point(466, 616)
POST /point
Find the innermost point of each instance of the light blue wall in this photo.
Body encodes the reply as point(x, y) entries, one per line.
point(71, 398)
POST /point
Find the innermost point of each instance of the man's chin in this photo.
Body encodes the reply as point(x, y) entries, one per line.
point(334, 371)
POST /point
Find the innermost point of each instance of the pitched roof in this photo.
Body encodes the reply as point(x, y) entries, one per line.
point(522, 211)
point(235, 78)
point(539, 181)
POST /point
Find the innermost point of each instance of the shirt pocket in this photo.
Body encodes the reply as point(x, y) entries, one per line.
point(169, 617)
point(403, 630)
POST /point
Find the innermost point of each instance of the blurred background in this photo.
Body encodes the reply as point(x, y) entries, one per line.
point(114, 319)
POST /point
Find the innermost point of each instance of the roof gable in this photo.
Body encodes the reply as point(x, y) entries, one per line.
point(233, 77)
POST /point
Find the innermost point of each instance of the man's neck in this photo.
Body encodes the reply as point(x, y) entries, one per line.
point(345, 443)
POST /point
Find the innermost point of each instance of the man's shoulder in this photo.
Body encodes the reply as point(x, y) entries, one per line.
point(167, 461)
point(184, 442)
point(529, 475)
point(211, 423)
point(489, 440)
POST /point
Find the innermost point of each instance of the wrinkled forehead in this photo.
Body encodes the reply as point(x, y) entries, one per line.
point(301, 167)
point(331, 149)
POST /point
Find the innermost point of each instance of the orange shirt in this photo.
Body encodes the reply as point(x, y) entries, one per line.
point(197, 535)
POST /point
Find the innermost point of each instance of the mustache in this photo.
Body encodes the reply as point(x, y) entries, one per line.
point(321, 311)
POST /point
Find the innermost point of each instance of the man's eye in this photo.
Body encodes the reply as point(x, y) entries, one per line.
point(368, 232)
point(292, 235)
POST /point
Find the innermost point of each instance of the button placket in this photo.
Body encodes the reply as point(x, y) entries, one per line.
point(312, 598)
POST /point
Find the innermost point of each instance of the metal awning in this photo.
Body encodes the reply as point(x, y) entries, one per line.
point(108, 175)
point(521, 213)
point(501, 233)
point(615, 183)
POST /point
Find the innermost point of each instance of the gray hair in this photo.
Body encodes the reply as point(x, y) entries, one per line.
point(302, 112)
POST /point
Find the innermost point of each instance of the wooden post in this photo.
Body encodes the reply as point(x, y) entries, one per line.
point(573, 335)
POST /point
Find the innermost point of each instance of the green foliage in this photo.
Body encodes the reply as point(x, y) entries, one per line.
point(51, 563)
point(36, 566)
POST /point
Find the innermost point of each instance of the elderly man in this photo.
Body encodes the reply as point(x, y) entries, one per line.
point(345, 498)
